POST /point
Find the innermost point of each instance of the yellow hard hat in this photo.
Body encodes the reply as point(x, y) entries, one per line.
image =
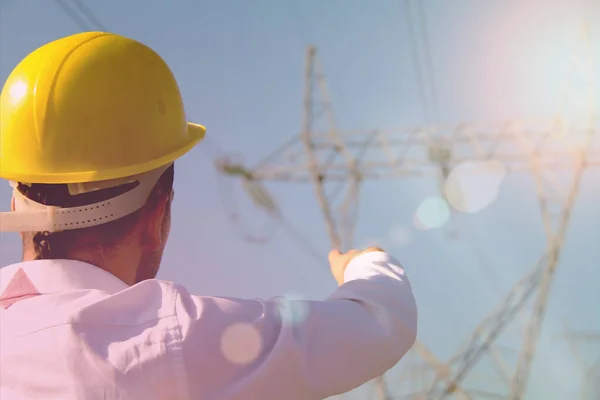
point(90, 110)
point(89, 107)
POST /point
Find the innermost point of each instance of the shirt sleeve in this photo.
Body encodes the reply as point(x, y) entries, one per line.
point(296, 349)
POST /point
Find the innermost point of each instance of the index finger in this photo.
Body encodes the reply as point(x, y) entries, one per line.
point(373, 248)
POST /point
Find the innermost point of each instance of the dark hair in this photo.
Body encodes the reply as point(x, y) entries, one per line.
point(58, 245)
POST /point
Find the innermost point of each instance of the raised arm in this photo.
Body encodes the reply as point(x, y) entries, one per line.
point(252, 349)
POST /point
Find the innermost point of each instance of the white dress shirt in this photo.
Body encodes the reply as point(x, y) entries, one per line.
point(69, 330)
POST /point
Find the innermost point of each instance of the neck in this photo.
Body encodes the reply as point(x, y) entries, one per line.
point(120, 263)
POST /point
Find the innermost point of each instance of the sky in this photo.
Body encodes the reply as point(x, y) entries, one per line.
point(240, 68)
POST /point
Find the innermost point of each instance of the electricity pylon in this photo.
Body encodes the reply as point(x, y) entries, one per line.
point(330, 159)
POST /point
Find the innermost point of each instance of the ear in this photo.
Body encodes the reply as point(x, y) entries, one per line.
point(155, 215)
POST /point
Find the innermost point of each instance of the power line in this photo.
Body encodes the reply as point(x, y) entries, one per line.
point(80, 22)
point(92, 20)
point(428, 62)
point(89, 14)
point(414, 48)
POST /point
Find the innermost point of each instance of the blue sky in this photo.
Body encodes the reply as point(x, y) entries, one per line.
point(240, 67)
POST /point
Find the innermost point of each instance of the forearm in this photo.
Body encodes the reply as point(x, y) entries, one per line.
point(330, 347)
point(364, 328)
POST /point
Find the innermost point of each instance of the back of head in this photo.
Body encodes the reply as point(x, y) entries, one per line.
point(62, 245)
point(90, 127)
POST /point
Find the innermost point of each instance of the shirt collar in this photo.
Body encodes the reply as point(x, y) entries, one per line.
point(55, 276)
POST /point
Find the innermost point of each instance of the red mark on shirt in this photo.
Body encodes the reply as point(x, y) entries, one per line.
point(19, 288)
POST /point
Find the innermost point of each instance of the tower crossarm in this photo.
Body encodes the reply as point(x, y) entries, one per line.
point(421, 150)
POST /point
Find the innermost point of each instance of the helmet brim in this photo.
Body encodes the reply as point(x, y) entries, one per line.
point(195, 134)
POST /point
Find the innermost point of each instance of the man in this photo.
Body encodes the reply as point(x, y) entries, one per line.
point(91, 125)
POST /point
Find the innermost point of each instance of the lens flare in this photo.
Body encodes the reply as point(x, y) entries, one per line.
point(433, 213)
point(474, 185)
point(241, 343)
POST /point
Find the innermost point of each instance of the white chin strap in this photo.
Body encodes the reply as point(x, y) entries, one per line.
point(30, 216)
